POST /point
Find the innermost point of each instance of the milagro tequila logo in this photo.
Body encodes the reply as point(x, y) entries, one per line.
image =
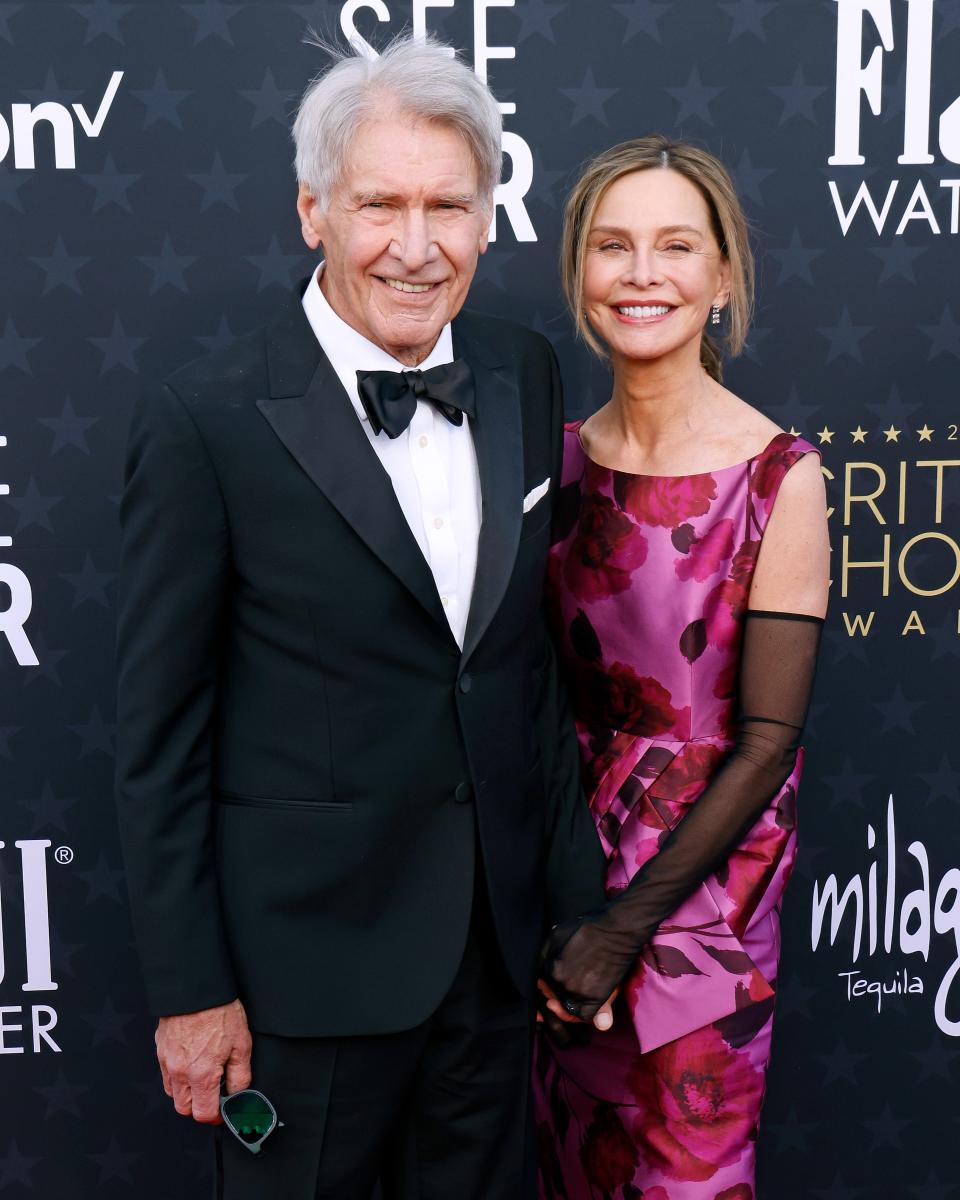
point(902, 924)
point(29, 1027)
point(20, 130)
point(895, 202)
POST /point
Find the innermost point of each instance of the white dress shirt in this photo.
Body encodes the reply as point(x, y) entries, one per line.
point(432, 464)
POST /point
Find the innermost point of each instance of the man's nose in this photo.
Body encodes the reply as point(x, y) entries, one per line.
point(414, 242)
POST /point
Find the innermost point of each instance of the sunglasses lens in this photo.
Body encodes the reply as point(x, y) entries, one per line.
point(249, 1116)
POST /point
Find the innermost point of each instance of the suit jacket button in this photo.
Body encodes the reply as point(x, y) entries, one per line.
point(465, 682)
point(463, 793)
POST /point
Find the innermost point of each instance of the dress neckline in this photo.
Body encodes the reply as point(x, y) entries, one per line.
point(575, 426)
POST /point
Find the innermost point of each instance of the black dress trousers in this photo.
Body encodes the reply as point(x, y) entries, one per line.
point(434, 1112)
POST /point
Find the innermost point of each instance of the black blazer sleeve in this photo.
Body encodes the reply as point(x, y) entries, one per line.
point(175, 564)
point(575, 859)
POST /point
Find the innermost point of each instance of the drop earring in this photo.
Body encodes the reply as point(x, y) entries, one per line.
point(715, 315)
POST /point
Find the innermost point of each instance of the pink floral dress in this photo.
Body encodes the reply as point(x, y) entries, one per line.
point(648, 583)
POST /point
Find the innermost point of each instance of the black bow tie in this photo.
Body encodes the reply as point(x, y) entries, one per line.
point(389, 398)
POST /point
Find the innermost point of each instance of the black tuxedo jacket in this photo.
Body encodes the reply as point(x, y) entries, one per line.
point(305, 757)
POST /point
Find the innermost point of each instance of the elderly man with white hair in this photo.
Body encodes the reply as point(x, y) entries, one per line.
point(347, 786)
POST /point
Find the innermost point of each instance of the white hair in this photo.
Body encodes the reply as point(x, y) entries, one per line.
point(418, 79)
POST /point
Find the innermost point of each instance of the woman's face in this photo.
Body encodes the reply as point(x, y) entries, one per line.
point(652, 268)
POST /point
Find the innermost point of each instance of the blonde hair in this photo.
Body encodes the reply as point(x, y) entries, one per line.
point(727, 218)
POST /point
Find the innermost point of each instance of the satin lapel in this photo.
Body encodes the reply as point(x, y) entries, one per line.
point(320, 429)
point(498, 439)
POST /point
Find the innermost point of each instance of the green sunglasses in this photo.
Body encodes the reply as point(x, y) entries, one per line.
point(250, 1117)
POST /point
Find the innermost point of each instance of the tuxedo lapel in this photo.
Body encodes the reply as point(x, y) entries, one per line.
point(498, 441)
point(312, 415)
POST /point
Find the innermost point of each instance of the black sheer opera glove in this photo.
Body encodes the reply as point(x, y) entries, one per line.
point(584, 960)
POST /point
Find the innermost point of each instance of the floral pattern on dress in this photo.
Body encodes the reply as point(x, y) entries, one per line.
point(648, 585)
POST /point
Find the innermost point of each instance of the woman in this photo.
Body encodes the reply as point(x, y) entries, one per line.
point(688, 582)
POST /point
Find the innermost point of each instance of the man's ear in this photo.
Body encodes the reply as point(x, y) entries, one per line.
point(311, 217)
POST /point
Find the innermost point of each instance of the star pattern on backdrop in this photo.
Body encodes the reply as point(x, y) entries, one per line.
point(643, 16)
point(898, 259)
point(89, 584)
point(60, 268)
point(845, 337)
point(114, 1163)
point(111, 186)
point(48, 666)
point(118, 348)
point(749, 178)
point(6, 12)
point(694, 98)
point(10, 185)
point(103, 19)
point(61, 1096)
point(269, 102)
point(161, 102)
point(69, 429)
point(218, 340)
point(944, 783)
point(14, 348)
point(96, 736)
point(48, 810)
point(32, 507)
point(798, 98)
point(795, 260)
point(944, 336)
point(748, 17)
point(219, 185)
point(898, 711)
point(589, 99)
point(848, 786)
point(17, 1167)
point(108, 1024)
point(102, 880)
point(168, 267)
point(275, 267)
point(213, 19)
point(536, 20)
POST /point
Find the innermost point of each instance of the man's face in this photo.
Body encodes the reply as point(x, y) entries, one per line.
point(401, 234)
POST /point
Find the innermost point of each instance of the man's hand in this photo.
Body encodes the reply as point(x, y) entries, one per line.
point(194, 1050)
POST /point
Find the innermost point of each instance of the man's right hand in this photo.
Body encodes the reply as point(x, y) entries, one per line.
point(195, 1049)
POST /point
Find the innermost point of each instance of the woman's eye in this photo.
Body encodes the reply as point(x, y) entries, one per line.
point(677, 246)
point(611, 246)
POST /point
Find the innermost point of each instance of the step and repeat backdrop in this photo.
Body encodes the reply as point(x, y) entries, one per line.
point(147, 216)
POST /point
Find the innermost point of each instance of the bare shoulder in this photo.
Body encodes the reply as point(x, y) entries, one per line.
point(746, 427)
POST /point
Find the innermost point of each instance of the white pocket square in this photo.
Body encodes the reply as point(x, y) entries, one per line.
point(535, 495)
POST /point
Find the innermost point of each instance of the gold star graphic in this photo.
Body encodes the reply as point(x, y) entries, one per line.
point(858, 434)
point(892, 435)
point(925, 433)
point(825, 435)
point(794, 432)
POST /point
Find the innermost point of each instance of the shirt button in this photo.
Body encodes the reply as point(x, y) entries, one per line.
point(423, 441)
point(438, 522)
point(445, 600)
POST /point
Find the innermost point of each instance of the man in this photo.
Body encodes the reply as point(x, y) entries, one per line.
point(343, 788)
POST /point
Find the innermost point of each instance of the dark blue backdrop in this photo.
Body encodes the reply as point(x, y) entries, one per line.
point(156, 221)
